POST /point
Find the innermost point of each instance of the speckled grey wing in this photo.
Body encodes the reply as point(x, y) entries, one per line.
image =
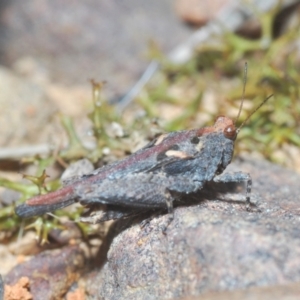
point(143, 190)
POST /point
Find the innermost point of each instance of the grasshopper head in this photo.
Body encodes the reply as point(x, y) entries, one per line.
point(227, 126)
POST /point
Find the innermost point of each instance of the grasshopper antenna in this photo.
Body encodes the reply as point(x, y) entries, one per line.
point(243, 98)
point(243, 94)
point(253, 112)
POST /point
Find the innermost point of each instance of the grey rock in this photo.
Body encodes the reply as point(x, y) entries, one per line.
point(213, 245)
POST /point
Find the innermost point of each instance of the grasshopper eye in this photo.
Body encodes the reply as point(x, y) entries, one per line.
point(230, 132)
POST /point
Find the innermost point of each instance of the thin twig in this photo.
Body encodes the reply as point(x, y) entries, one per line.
point(134, 91)
point(24, 151)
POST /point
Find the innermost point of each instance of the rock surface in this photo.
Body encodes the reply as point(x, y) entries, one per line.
point(211, 246)
point(215, 248)
point(286, 292)
point(51, 273)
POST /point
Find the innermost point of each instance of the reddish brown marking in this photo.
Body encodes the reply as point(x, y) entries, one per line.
point(62, 194)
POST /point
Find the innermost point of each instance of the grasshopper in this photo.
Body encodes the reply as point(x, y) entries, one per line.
point(171, 165)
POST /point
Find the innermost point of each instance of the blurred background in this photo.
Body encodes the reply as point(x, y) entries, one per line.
point(50, 50)
point(193, 53)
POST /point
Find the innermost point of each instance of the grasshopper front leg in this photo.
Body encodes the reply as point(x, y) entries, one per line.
point(237, 177)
